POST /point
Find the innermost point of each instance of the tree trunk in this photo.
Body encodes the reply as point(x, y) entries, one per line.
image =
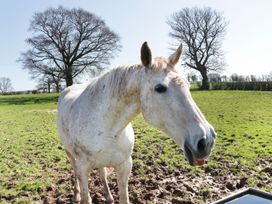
point(205, 81)
point(69, 80)
point(69, 77)
point(48, 87)
point(57, 86)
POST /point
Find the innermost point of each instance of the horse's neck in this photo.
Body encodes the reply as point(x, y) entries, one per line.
point(120, 97)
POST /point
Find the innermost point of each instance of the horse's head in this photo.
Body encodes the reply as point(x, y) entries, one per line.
point(166, 103)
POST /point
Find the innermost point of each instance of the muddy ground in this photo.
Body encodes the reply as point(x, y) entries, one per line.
point(161, 185)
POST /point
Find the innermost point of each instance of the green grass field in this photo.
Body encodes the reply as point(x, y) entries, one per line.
point(34, 168)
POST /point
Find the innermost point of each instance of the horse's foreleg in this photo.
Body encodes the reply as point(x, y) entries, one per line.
point(103, 177)
point(76, 184)
point(82, 174)
point(123, 172)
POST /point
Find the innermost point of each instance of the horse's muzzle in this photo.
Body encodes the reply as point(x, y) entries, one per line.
point(197, 158)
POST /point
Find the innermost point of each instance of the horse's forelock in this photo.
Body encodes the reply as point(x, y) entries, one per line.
point(161, 64)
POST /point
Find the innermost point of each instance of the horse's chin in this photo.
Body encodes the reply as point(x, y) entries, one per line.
point(191, 159)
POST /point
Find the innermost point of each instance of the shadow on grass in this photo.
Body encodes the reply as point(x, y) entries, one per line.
point(28, 99)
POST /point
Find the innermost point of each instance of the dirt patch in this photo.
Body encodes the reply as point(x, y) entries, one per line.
point(160, 185)
point(41, 111)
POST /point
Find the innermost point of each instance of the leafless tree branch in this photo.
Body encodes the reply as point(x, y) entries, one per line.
point(67, 43)
point(202, 31)
point(5, 85)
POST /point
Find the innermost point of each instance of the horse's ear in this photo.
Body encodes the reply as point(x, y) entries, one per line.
point(146, 56)
point(174, 58)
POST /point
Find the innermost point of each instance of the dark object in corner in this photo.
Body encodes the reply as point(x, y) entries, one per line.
point(247, 196)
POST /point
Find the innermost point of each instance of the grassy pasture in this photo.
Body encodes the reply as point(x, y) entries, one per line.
point(34, 168)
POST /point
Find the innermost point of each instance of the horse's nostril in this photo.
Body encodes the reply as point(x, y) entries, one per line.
point(201, 145)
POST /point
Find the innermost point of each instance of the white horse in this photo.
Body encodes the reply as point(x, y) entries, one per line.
point(94, 119)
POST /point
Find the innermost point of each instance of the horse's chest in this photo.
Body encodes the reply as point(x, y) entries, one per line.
point(107, 150)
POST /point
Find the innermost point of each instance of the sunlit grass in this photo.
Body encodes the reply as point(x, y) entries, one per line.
point(33, 163)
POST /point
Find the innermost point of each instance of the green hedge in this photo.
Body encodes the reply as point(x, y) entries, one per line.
point(261, 86)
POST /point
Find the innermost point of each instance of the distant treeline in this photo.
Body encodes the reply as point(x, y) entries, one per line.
point(22, 92)
point(233, 82)
point(247, 85)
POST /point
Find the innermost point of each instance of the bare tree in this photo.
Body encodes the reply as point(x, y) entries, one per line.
point(253, 78)
point(48, 83)
point(191, 76)
point(194, 78)
point(234, 77)
point(224, 78)
point(247, 78)
point(202, 31)
point(268, 77)
point(5, 85)
point(67, 43)
point(214, 77)
point(241, 78)
point(45, 84)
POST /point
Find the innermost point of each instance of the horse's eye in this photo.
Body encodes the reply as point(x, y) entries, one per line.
point(160, 88)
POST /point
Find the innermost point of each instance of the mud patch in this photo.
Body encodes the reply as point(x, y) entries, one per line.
point(164, 186)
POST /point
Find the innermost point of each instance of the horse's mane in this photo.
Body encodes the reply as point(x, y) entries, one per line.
point(116, 79)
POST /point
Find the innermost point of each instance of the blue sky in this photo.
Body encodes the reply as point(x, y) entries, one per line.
point(247, 44)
